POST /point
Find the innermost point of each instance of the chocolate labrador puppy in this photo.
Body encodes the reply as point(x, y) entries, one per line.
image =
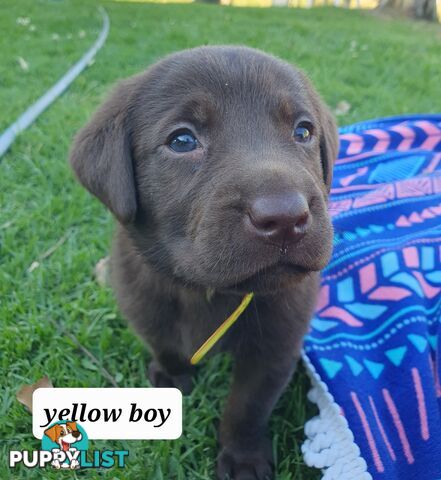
point(217, 163)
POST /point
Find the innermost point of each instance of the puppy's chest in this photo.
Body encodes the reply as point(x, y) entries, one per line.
point(197, 323)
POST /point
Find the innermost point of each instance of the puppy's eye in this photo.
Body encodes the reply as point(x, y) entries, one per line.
point(183, 141)
point(303, 132)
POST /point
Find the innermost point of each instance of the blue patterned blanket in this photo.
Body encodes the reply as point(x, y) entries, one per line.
point(375, 339)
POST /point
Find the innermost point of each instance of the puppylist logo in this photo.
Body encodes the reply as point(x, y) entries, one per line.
point(61, 417)
point(65, 446)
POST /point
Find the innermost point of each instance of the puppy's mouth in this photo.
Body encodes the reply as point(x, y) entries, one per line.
point(263, 271)
point(65, 445)
point(271, 278)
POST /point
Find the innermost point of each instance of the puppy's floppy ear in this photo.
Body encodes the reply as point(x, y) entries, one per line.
point(329, 143)
point(72, 425)
point(101, 155)
point(53, 433)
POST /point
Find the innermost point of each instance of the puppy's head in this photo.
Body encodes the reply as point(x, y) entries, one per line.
point(218, 162)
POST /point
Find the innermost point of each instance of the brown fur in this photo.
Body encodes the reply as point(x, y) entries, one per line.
point(182, 222)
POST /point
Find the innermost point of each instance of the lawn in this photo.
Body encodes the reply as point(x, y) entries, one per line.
point(50, 316)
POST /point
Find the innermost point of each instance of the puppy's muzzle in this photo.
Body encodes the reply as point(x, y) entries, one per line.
point(280, 219)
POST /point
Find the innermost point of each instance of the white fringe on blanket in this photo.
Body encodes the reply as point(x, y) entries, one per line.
point(330, 443)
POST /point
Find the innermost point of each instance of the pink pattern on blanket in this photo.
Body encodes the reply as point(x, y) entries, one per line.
point(343, 315)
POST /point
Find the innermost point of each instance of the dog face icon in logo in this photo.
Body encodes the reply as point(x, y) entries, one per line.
point(64, 434)
point(65, 440)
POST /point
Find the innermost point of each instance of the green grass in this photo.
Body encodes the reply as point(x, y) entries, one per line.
point(392, 67)
point(46, 36)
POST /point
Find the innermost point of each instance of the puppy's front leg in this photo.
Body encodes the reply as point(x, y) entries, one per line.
point(245, 447)
point(171, 370)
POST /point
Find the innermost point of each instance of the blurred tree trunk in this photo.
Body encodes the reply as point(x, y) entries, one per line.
point(422, 9)
point(426, 9)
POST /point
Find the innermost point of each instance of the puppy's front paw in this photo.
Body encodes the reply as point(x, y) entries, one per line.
point(237, 464)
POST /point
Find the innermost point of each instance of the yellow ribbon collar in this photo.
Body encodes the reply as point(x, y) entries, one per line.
point(221, 330)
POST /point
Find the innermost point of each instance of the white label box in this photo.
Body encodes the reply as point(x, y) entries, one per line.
point(111, 413)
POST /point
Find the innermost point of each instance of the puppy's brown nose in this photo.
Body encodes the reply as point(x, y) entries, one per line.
point(75, 433)
point(279, 219)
